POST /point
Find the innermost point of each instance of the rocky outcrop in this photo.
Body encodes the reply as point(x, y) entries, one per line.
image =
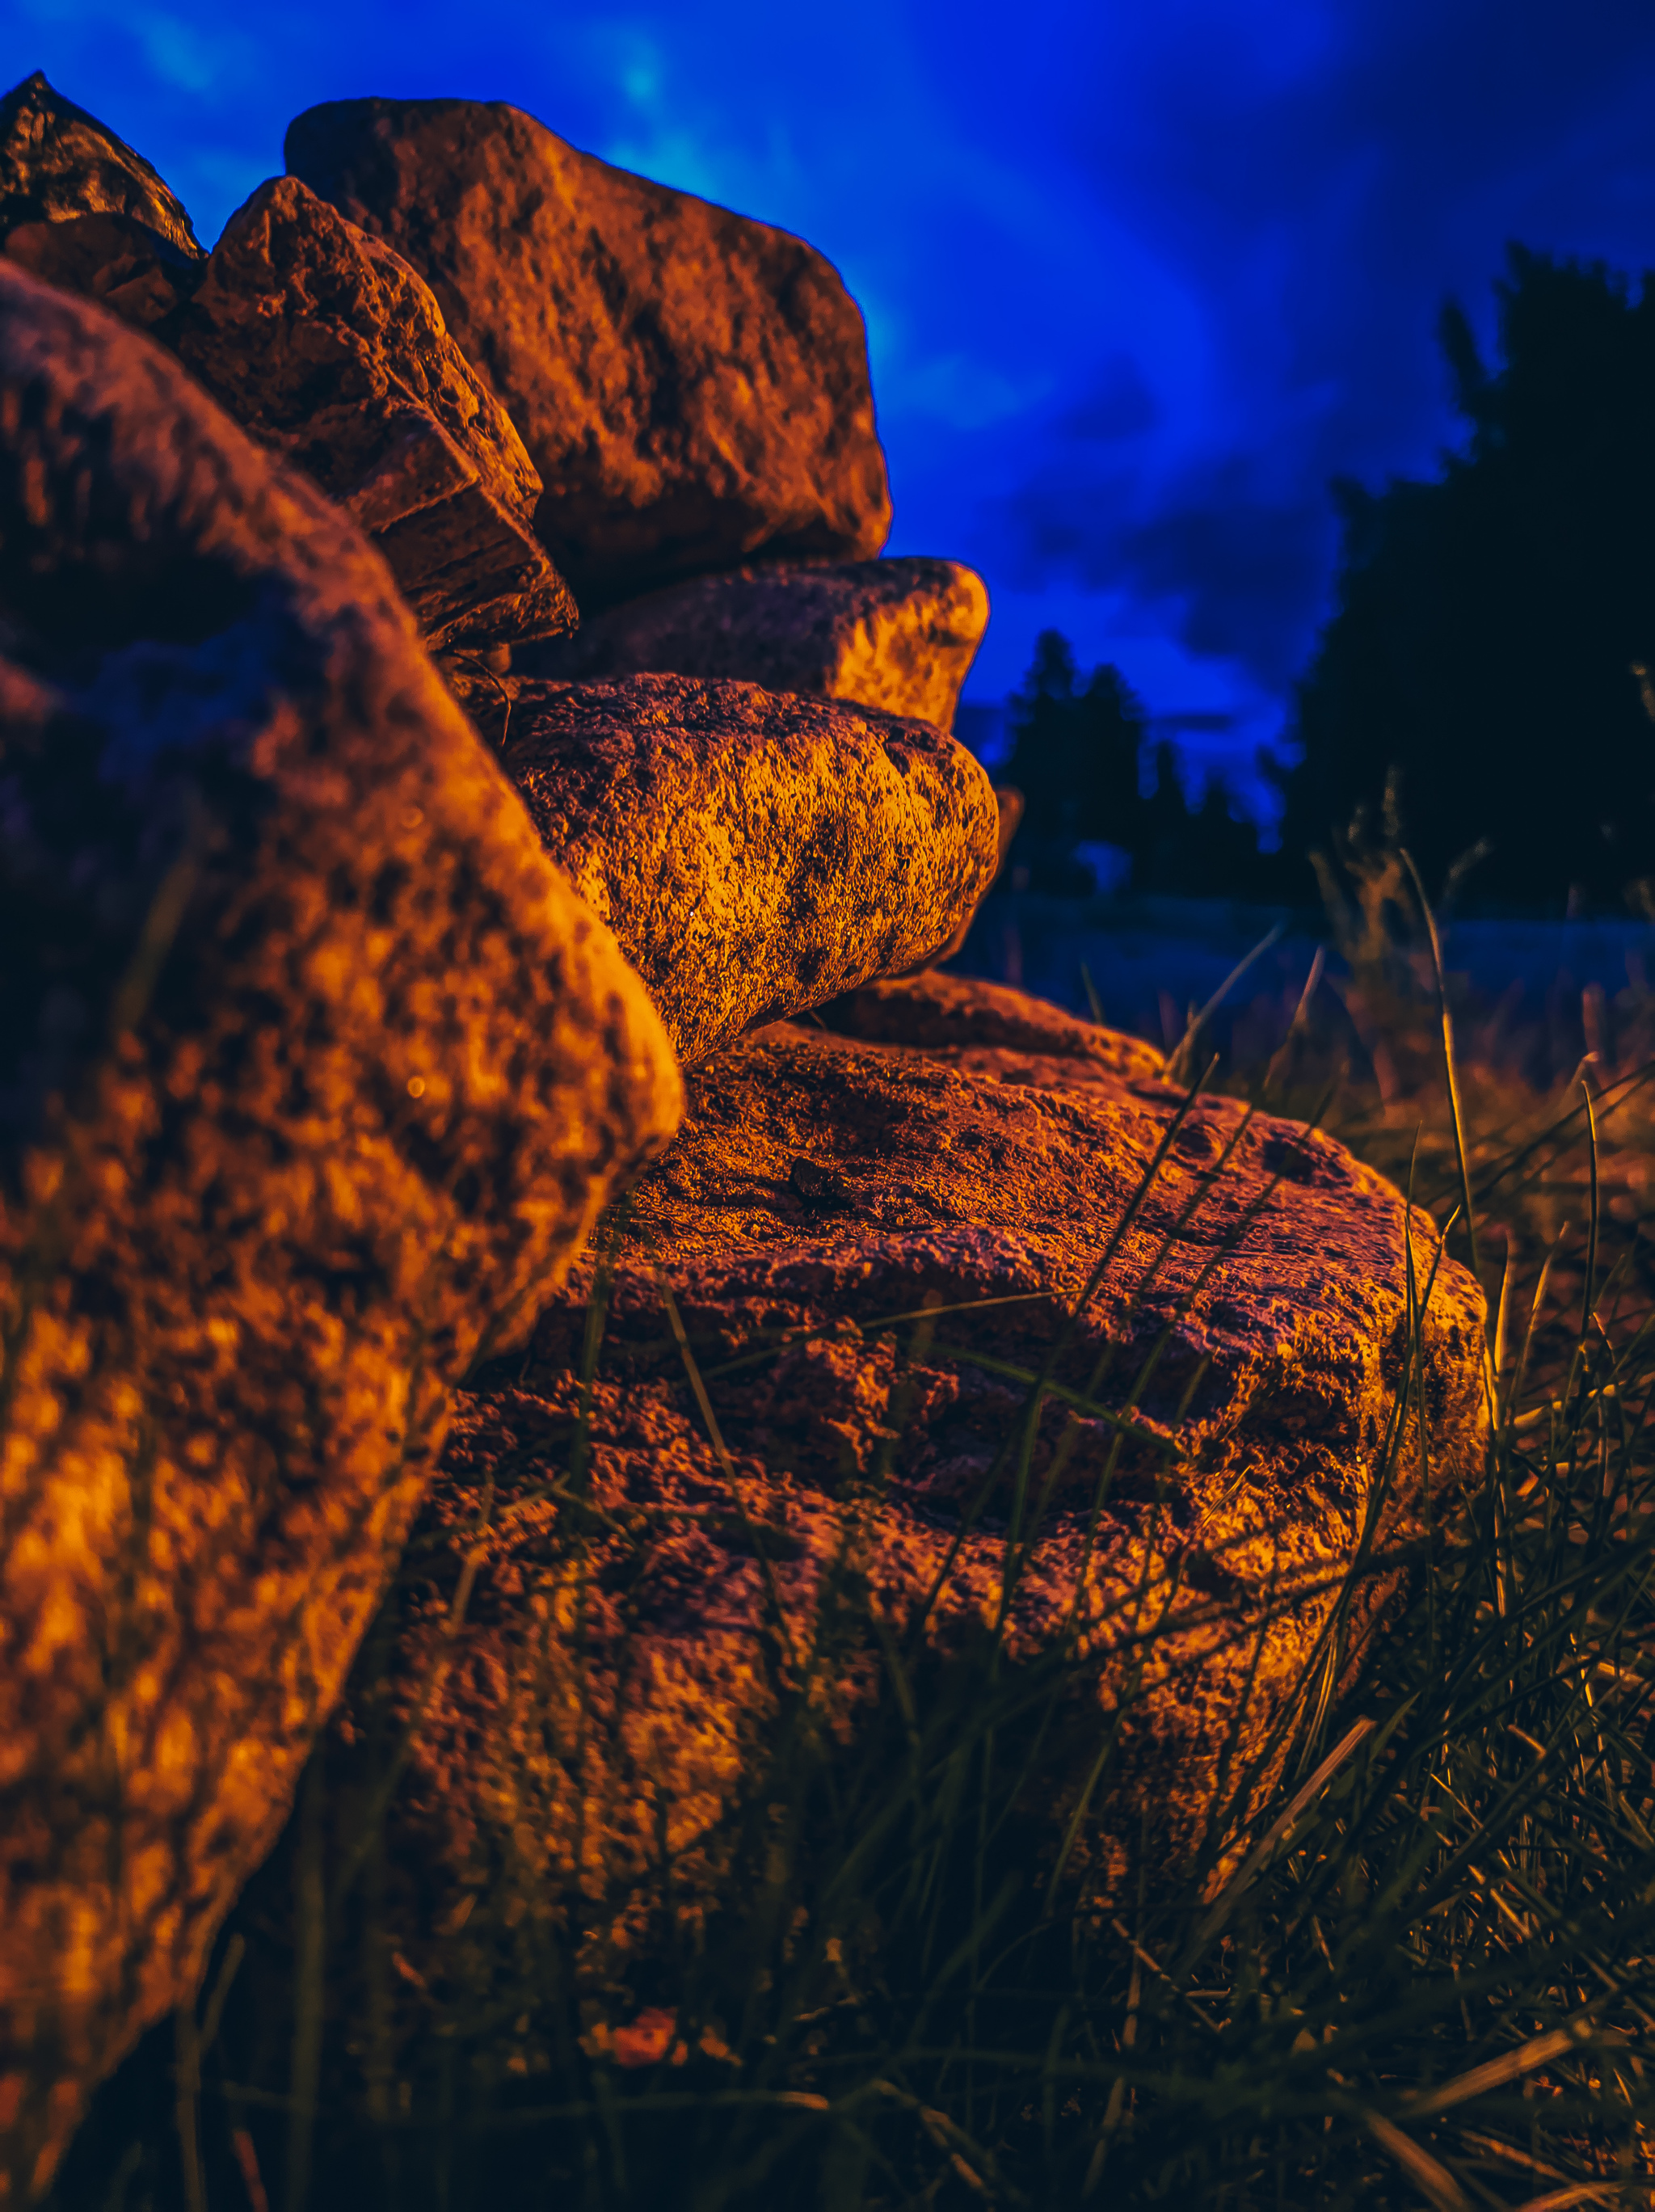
point(755, 853)
point(897, 635)
point(313, 1073)
point(325, 343)
point(871, 1256)
point(991, 1031)
point(80, 208)
point(692, 386)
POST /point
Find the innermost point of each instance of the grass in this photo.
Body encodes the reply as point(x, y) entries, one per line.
point(1420, 1970)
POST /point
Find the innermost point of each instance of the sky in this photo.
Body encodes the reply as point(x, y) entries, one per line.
point(1140, 280)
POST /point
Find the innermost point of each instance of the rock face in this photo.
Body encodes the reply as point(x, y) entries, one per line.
point(897, 635)
point(312, 1075)
point(57, 162)
point(754, 853)
point(1235, 1501)
point(325, 343)
point(693, 387)
point(989, 1029)
point(80, 208)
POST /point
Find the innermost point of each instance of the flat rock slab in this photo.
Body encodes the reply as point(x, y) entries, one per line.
point(863, 1430)
point(989, 1030)
point(692, 386)
point(898, 634)
point(327, 346)
point(313, 1074)
point(755, 853)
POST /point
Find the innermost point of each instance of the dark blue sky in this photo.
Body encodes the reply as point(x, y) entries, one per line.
point(1139, 278)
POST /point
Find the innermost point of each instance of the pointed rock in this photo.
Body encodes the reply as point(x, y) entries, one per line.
point(692, 386)
point(313, 1072)
point(57, 161)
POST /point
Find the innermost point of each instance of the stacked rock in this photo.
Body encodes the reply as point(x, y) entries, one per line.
point(350, 985)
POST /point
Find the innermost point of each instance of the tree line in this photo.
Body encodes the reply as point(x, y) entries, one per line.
point(1487, 658)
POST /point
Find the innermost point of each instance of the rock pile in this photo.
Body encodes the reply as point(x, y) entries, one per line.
point(351, 990)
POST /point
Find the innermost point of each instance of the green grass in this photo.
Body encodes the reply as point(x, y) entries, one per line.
point(1420, 1973)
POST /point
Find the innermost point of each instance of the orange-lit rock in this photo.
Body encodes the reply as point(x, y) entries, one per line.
point(897, 635)
point(692, 386)
point(79, 208)
point(646, 1658)
point(325, 343)
point(989, 1030)
point(313, 1072)
point(755, 853)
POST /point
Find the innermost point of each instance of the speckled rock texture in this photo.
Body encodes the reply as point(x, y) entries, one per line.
point(313, 1074)
point(607, 1699)
point(325, 343)
point(753, 852)
point(898, 634)
point(992, 1030)
point(79, 208)
point(692, 386)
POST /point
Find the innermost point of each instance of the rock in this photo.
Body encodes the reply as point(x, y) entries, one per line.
point(755, 853)
point(325, 343)
point(313, 1073)
point(57, 162)
point(596, 1748)
point(896, 635)
point(989, 1029)
point(80, 208)
point(692, 386)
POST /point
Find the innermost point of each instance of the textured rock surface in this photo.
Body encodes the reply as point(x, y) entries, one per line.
point(57, 161)
point(1282, 1282)
point(311, 1081)
point(989, 1030)
point(898, 634)
point(325, 343)
point(79, 208)
point(692, 386)
point(753, 852)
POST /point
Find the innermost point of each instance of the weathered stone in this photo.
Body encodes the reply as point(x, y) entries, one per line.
point(313, 1072)
point(753, 852)
point(326, 344)
point(692, 386)
point(56, 162)
point(80, 208)
point(989, 1029)
point(591, 1748)
point(897, 635)
point(112, 258)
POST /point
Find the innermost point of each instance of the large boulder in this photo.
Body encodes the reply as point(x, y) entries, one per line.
point(753, 852)
point(313, 1073)
point(898, 634)
point(692, 386)
point(870, 1257)
point(80, 208)
point(325, 343)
